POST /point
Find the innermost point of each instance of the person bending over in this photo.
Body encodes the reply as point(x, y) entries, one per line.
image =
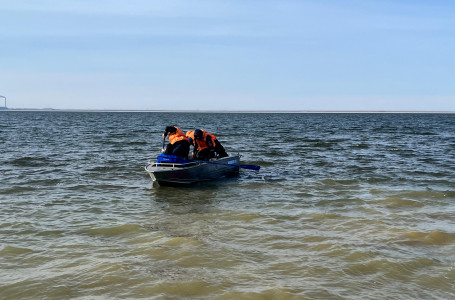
point(205, 145)
point(178, 142)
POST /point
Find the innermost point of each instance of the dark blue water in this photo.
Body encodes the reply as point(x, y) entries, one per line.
point(345, 206)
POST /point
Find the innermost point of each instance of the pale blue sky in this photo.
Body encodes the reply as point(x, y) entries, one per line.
point(228, 55)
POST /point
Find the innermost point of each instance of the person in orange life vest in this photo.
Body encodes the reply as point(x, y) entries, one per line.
point(205, 145)
point(178, 142)
point(190, 136)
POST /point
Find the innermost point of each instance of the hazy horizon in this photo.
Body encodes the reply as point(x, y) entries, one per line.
point(226, 111)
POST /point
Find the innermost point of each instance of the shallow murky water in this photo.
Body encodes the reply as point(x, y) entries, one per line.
point(345, 206)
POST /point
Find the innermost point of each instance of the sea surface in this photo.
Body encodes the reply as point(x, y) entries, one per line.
point(345, 206)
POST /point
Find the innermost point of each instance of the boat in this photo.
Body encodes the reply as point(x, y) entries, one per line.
point(173, 170)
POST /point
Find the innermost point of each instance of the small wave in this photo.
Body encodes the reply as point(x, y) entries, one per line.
point(377, 179)
point(273, 153)
point(335, 182)
point(184, 239)
point(393, 269)
point(262, 163)
point(45, 182)
point(356, 256)
point(29, 161)
point(430, 238)
point(360, 146)
point(105, 169)
point(270, 178)
point(50, 232)
point(245, 217)
point(426, 194)
point(92, 187)
point(17, 189)
point(275, 293)
point(318, 216)
point(397, 202)
point(114, 230)
point(323, 144)
point(341, 202)
point(10, 250)
point(141, 143)
point(253, 185)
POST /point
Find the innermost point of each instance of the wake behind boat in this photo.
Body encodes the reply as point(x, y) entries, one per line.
point(171, 170)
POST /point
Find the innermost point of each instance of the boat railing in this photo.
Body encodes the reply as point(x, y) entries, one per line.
point(172, 165)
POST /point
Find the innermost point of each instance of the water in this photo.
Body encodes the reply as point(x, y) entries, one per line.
point(345, 206)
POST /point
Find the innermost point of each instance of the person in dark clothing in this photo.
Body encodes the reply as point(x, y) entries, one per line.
point(205, 145)
point(178, 142)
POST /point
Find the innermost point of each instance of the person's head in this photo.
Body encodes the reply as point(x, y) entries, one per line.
point(198, 134)
point(171, 129)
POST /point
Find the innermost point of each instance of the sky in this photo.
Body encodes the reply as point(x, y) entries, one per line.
point(228, 55)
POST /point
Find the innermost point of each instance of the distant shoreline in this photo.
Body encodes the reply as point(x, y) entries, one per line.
point(234, 111)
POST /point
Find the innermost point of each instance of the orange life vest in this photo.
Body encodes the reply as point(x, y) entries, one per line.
point(190, 136)
point(177, 136)
point(202, 143)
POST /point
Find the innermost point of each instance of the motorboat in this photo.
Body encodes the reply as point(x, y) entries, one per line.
point(173, 170)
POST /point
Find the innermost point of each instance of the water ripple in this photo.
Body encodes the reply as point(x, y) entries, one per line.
point(345, 206)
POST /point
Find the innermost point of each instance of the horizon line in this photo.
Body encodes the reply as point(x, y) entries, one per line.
point(223, 110)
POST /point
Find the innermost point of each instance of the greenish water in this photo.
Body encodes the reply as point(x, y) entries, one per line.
point(345, 206)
